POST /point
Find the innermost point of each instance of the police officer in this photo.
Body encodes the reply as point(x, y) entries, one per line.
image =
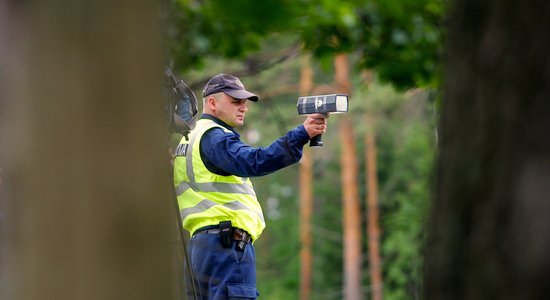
point(217, 201)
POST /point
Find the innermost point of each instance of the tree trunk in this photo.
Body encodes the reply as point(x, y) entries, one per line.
point(306, 194)
point(84, 156)
point(350, 191)
point(490, 230)
point(373, 228)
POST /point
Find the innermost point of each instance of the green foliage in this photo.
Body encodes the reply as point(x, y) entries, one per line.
point(327, 26)
point(227, 29)
point(406, 151)
point(398, 39)
point(327, 222)
point(406, 148)
point(405, 213)
point(401, 40)
point(278, 249)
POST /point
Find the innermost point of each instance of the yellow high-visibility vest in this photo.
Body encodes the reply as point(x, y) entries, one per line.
point(205, 198)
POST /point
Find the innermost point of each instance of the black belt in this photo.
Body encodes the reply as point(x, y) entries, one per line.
point(236, 234)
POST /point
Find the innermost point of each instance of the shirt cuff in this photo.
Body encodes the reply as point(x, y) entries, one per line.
point(299, 135)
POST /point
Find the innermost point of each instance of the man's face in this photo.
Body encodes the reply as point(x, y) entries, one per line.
point(231, 110)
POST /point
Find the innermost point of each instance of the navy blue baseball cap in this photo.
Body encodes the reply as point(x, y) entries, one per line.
point(230, 85)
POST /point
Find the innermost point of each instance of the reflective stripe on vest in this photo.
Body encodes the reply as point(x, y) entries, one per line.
point(206, 204)
point(222, 187)
point(206, 198)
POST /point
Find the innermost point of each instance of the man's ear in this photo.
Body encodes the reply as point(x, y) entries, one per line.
point(211, 101)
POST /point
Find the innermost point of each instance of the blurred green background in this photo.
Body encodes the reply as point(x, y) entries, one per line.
point(393, 49)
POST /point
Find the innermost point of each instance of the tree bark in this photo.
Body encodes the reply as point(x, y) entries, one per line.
point(373, 228)
point(350, 191)
point(489, 229)
point(306, 194)
point(83, 151)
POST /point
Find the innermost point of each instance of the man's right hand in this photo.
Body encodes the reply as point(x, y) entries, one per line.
point(316, 124)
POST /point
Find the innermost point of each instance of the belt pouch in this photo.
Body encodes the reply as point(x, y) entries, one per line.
point(225, 233)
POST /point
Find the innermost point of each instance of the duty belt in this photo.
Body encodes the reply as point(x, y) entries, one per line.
point(227, 233)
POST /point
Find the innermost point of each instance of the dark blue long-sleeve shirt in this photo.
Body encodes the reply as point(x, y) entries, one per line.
point(224, 154)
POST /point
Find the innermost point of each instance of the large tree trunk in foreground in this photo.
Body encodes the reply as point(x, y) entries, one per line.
point(86, 193)
point(490, 224)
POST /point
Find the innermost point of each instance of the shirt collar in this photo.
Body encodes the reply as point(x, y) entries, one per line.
point(219, 122)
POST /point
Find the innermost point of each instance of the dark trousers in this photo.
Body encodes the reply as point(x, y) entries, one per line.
point(221, 273)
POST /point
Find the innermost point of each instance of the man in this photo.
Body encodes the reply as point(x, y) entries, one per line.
point(217, 202)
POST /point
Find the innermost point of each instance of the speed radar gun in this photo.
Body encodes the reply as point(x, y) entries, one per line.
point(322, 104)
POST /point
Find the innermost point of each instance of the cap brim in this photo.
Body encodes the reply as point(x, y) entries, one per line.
point(242, 94)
